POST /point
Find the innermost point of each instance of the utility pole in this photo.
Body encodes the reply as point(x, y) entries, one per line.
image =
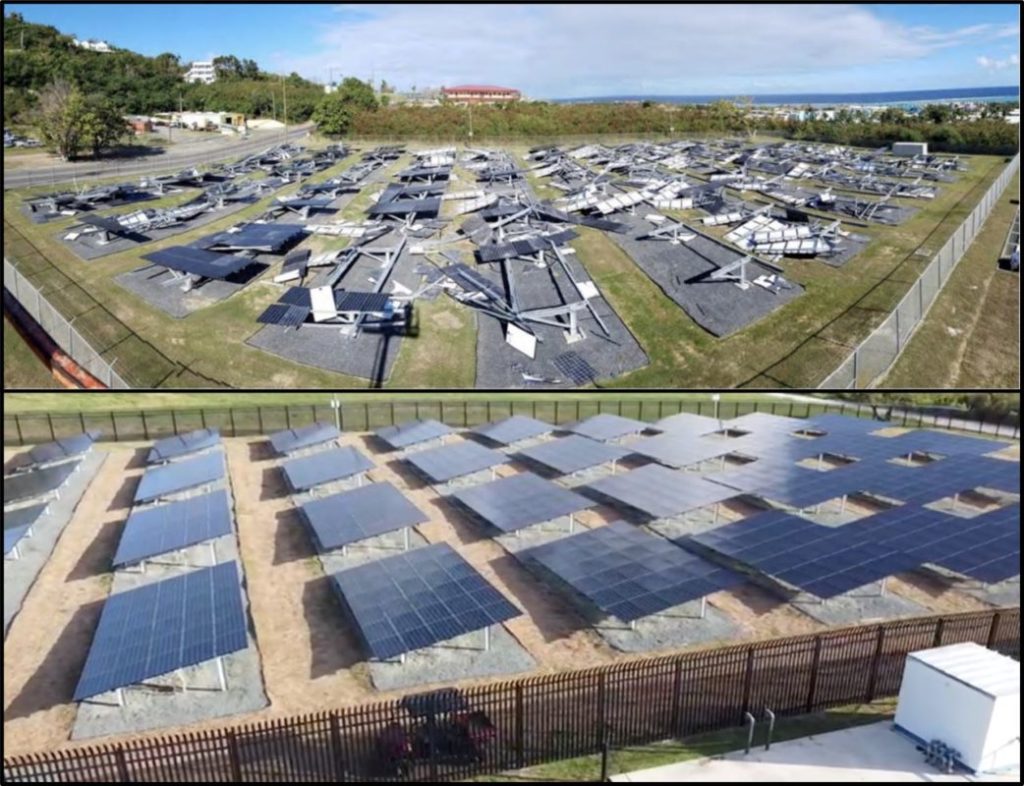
point(469, 105)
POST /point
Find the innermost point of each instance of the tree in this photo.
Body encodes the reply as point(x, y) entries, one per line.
point(227, 67)
point(59, 118)
point(332, 116)
point(101, 124)
point(357, 94)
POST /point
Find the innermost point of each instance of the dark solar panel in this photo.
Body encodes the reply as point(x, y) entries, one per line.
point(163, 626)
point(659, 491)
point(572, 365)
point(324, 467)
point(411, 433)
point(844, 424)
point(181, 475)
point(372, 302)
point(175, 525)
point(289, 440)
point(688, 423)
point(763, 421)
point(573, 453)
point(446, 462)
point(604, 427)
point(296, 296)
point(358, 514)
point(197, 261)
point(520, 501)
point(627, 573)
point(63, 448)
point(258, 237)
point(678, 450)
point(283, 315)
point(946, 444)
point(183, 444)
point(18, 522)
point(407, 207)
point(788, 483)
point(472, 281)
point(513, 429)
point(419, 598)
point(38, 482)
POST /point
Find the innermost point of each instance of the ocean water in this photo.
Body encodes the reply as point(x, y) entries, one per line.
point(903, 97)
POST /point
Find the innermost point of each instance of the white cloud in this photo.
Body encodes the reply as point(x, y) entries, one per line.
point(995, 64)
point(593, 49)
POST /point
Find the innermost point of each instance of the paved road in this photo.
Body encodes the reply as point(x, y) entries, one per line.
point(179, 156)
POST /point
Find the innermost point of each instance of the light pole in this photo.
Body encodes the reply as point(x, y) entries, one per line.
point(469, 106)
point(336, 406)
point(717, 397)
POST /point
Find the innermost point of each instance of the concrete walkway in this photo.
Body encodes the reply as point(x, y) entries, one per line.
point(875, 752)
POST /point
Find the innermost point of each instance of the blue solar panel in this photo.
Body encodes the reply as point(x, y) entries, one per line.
point(520, 501)
point(447, 462)
point(947, 444)
point(324, 467)
point(513, 429)
point(183, 444)
point(18, 522)
point(175, 525)
point(832, 423)
point(660, 492)
point(573, 453)
point(290, 440)
point(405, 434)
point(63, 448)
point(627, 573)
point(688, 423)
point(764, 422)
point(417, 599)
point(358, 514)
point(38, 482)
point(680, 450)
point(787, 483)
point(181, 475)
point(604, 427)
point(163, 626)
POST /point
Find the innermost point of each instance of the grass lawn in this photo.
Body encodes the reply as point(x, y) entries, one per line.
point(640, 757)
point(795, 347)
point(970, 337)
point(22, 367)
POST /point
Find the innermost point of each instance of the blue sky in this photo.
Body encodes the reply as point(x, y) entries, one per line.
point(568, 51)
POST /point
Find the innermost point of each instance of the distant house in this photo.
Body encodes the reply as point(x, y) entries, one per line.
point(201, 71)
point(480, 94)
point(93, 46)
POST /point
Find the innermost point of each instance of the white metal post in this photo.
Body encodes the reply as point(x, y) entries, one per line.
point(571, 523)
point(703, 606)
point(405, 537)
point(487, 638)
point(221, 679)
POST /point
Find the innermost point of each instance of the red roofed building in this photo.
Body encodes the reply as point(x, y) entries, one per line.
point(480, 94)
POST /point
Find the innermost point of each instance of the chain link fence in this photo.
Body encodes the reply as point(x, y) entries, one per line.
point(877, 353)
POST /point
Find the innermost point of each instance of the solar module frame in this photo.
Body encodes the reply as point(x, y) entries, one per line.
point(689, 424)
point(605, 426)
point(790, 484)
point(417, 599)
point(679, 450)
point(660, 492)
point(325, 466)
point(447, 462)
point(575, 366)
point(413, 432)
point(160, 481)
point(516, 428)
point(629, 574)
point(198, 262)
point(519, 501)
point(167, 625)
point(161, 529)
point(573, 453)
point(63, 448)
point(358, 514)
point(290, 440)
point(183, 444)
point(18, 522)
point(38, 482)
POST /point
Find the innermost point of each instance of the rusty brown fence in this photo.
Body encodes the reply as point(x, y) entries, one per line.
point(546, 718)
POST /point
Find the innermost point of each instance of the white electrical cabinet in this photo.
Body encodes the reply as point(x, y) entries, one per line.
point(968, 697)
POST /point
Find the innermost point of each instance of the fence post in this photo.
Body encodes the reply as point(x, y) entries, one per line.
point(234, 758)
point(17, 425)
point(520, 728)
point(122, 764)
point(202, 417)
point(602, 678)
point(339, 761)
point(812, 689)
point(937, 641)
point(145, 426)
point(259, 417)
point(174, 421)
point(231, 418)
point(748, 682)
point(49, 420)
point(992, 629)
point(875, 661)
point(287, 416)
point(677, 689)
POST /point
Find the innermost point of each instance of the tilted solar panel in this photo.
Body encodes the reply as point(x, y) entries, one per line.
point(38, 482)
point(358, 514)
point(679, 450)
point(63, 448)
point(521, 501)
point(165, 528)
point(290, 440)
point(688, 423)
point(324, 467)
point(605, 426)
point(18, 522)
point(415, 431)
point(183, 444)
point(196, 261)
point(573, 453)
point(446, 462)
point(659, 491)
point(513, 429)
point(182, 475)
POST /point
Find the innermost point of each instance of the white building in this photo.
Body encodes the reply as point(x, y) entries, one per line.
point(93, 46)
point(201, 71)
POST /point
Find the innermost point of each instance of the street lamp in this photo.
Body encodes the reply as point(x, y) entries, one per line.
point(336, 406)
point(717, 397)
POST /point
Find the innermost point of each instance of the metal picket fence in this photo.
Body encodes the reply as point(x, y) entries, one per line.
point(876, 354)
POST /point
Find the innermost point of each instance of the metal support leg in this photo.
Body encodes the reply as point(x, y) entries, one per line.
point(120, 697)
point(751, 722)
point(221, 679)
point(614, 463)
point(405, 538)
point(717, 505)
point(181, 679)
point(494, 473)
point(956, 499)
point(572, 523)
point(842, 505)
point(487, 638)
point(213, 553)
point(771, 728)
point(881, 589)
point(703, 606)
point(821, 461)
point(344, 551)
point(632, 624)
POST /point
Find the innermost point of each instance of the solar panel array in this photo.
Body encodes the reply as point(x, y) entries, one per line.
point(63, 448)
point(290, 440)
point(38, 482)
point(604, 427)
point(679, 450)
point(513, 429)
point(573, 453)
point(943, 443)
point(520, 501)
point(843, 424)
point(198, 262)
point(575, 367)
point(183, 444)
point(163, 626)
point(181, 475)
point(325, 467)
point(18, 522)
point(688, 423)
point(627, 573)
point(283, 315)
point(418, 598)
point(162, 529)
point(660, 492)
point(447, 462)
point(787, 483)
point(358, 514)
point(415, 431)
point(763, 422)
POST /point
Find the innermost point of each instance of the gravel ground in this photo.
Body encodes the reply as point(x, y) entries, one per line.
point(861, 605)
point(156, 286)
point(35, 549)
point(1005, 593)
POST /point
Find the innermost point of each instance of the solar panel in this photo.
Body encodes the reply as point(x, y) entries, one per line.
point(419, 598)
point(604, 427)
point(197, 261)
point(181, 475)
point(947, 444)
point(18, 522)
point(763, 421)
point(513, 429)
point(165, 528)
point(789, 483)
point(430, 206)
point(629, 574)
point(688, 423)
point(270, 238)
point(572, 365)
point(163, 626)
point(843, 424)
point(283, 315)
point(290, 440)
point(63, 448)
point(324, 467)
point(678, 450)
point(472, 281)
point(358, 514)
point(573, 453)
point(371, 302)
point(521, 501)
point(415, 431)
point(183, 444)
point(446, 462)
point(659, 492)
point(38, 482)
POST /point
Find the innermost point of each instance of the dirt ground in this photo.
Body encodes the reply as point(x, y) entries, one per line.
point(310, 658)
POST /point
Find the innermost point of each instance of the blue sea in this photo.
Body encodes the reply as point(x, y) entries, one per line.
point(902, 97)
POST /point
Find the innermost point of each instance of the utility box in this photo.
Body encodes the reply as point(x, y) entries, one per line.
point(968, 697)
point(910, 148)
